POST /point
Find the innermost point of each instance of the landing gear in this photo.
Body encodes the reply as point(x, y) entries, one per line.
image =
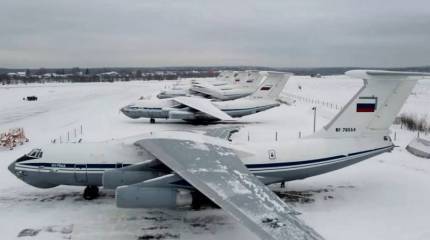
point(91, 192)
point(152, 120)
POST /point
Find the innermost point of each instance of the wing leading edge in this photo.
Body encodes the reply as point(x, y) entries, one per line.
point(219, 174)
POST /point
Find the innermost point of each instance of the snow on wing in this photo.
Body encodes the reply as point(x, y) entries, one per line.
point(205, 106)
point(219, 174)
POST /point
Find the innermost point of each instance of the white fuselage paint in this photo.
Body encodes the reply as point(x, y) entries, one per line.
point(163, 108)
point(273, 162)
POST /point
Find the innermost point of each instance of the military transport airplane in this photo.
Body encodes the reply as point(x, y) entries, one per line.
point(228, 85)
point(182, 87)
point(243, 85)
point(197, 109)
point(170, 169)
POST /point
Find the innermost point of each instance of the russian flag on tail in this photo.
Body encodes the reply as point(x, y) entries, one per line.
point(367, 104)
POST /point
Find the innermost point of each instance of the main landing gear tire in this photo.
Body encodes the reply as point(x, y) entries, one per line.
point(152, 120)
point(91, 192)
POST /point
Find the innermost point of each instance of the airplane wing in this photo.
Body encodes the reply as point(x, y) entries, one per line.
point(218, 173)
point(205, 106)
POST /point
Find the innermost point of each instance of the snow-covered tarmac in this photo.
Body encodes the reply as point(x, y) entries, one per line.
point(385, 197)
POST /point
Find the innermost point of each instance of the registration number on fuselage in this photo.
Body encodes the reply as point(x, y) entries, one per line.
point(58, 165)
point(346, 129)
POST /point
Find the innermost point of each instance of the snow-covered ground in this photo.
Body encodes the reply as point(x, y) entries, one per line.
point(385, 197)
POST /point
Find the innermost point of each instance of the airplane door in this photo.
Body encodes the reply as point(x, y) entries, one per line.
point(81, 173)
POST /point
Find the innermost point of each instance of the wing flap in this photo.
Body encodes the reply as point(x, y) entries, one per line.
point(205, 106)
point(219, 174)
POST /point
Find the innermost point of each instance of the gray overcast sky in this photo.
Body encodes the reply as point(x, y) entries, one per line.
point(284, 33)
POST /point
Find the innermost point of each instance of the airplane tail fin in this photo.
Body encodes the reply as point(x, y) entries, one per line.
point(374, 107)
point(250, 78)
point(272, 85)
point(225, 75)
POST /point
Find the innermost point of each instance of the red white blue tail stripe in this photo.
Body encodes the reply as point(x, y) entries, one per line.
point(367, 104)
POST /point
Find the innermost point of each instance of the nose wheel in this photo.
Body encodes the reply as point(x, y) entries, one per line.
point(91, 192)
point(152, 120)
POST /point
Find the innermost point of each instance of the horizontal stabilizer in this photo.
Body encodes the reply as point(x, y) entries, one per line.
point(224, 132)
point(386, 75)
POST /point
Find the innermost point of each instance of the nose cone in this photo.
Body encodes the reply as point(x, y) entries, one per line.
point(11, 167)
point(126, 110)
point(129, 112)
point(123, 110)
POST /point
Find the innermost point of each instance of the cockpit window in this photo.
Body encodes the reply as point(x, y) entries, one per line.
point(35, 153)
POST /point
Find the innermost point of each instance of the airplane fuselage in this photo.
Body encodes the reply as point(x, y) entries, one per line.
point(84, 164)
point(224, 93)
point(168, 109)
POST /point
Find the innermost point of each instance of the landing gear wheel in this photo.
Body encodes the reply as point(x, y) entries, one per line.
point(91, 192)
point(196, 204)
point(152, 120)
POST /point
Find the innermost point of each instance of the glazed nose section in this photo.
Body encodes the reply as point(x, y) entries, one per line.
point(11, 167)
point(131, 111)
point(125, 110)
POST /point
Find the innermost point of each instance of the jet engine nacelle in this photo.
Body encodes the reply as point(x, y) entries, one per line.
point(179, 114)
point(115, 178)
point(151, 197)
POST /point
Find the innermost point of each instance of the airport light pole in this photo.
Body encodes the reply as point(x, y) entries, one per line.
point(315, 116)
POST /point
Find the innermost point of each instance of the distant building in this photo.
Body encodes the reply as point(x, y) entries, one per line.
point(16, 74)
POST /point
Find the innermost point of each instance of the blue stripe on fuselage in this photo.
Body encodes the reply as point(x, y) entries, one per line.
point(61, 165)
point(320, 160)
point(270, 166)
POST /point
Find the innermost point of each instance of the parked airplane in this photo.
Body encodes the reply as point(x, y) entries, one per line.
point(224, 77)
point(243, 85)
point(183, 88)
point(171, 169)
point(201, 109)
point(228, 85)
point(175, 91)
